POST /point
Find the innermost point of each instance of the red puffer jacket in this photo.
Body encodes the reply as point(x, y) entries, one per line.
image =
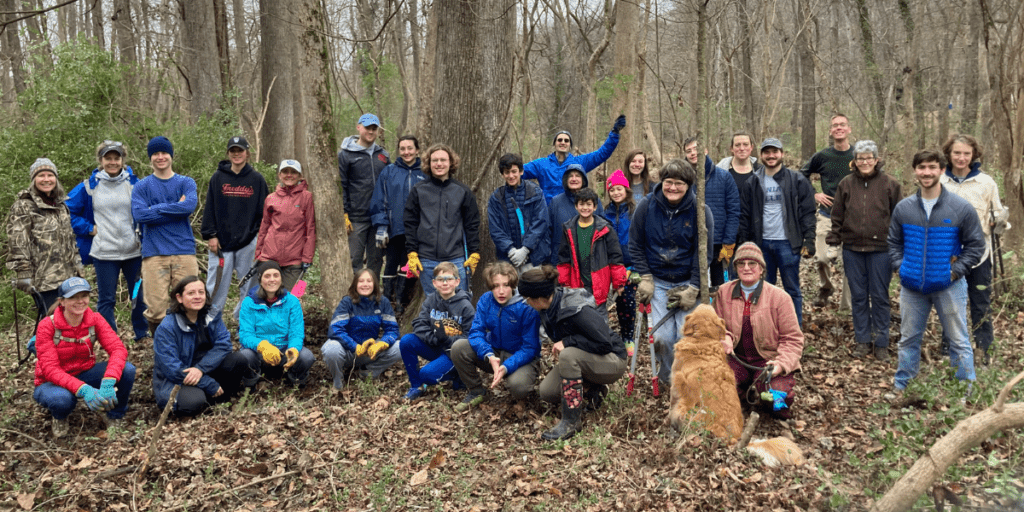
point(606, 269)
point(60, 362)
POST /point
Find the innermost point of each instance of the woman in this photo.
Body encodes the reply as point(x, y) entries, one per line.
point(288, 231)
point(640, 181)
point(503, 340)
point(270, 324)
point(387, 207)
point(101, 216)
point(197, 355)
point(590, 356)
point(861, 210)
point(763, 330)
point(67, 369)
point(42, 243)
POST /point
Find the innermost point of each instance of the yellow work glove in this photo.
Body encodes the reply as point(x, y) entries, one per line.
point(414, 264)
point(269, 352)
point(291, 357)
point(348, 225)
point(364, 346)
point(727, 251)
point(472, 262)
point(376, 348)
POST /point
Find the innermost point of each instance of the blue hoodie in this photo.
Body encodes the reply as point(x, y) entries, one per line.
point(387, 205)
point(280, 322)
point(355, 322)
point(511, 327)
point(548, 171)
point(79, 203)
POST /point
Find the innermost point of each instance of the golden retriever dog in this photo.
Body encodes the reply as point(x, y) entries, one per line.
point(703, 385)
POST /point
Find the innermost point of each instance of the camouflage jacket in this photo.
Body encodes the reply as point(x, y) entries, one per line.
point(42, 243)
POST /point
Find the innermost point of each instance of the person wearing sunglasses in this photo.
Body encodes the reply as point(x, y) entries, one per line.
point(548, 170)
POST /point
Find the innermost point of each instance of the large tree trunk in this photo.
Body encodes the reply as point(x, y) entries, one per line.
point(972, 76)
point(241, 39)
point(124, 31)
point(626, 64)
point(427, 83)
point(11, 47)
point(474, 70)
point(277, 136)
point(220, 17)
point(807, 82)
point(750, 108)
point(867, 44)
point(202, 62)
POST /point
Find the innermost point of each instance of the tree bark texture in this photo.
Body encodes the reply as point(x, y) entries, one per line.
point(277, 136)
point(627, 92)
point(124, 30)
point(12, 46)
point(220, 17)
point(201, 60)
point(808, 90)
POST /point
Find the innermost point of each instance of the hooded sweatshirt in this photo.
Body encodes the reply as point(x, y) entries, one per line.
point(359, 168)
point(104, 203)
point(455, 314)
point(234, 206)
point(288, 231)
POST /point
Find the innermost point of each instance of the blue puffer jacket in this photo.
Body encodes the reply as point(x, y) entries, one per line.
point(280, 323)
point(548, 171)
point(355, 322)
point(511, 327)
point(561, 209)
point(387, 206)
point(663, 237)
point(921, 248)
point(721, 194)
point(620, 218)
point(519, 219)
point(79, 203)
point(175, 349)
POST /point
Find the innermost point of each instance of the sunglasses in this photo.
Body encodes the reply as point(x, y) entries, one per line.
point(562, 140)
point(112, 143)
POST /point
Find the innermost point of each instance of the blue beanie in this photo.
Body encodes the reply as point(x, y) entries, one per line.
point(160, 144)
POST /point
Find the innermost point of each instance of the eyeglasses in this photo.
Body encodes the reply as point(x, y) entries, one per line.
point(445, 279)
point(746, 263)
point(865, 158)
point(562, 140)
point(673, 184)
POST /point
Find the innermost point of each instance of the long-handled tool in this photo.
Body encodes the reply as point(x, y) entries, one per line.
point(40, 314)
point(997, 257)
point(300, 286)
point(650, 343)
point(643, 314)
point(631, 347)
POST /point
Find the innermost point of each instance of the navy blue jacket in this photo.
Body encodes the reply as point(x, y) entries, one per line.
point(79, 203)
point(455, 314)
point(620, 218)
point(355, 322)
point(511, 327)
point(175, 349)
point(563, 208)
point(517, 219)
point(721, 194)
point(663, 238)
point(921, 248)
point(797, 208)
point(387, 206)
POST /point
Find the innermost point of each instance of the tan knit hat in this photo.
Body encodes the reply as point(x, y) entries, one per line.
point(749, 251)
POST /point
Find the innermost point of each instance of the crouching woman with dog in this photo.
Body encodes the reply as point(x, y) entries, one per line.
point(590, 355)
point(763, 331)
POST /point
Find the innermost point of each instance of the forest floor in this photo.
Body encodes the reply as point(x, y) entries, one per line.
point(369, 449)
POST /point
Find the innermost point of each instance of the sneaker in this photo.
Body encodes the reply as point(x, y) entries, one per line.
point(415, 393)
point(823, 295)
point(882, 354)
point(861, 350)
point(60, 427)
point(894, 396)
point(473, 399)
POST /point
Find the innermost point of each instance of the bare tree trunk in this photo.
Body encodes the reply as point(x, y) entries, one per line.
point(43, 53)
point(241, 39)
point(867, 44)
point(428, 82)
point(220, 18)
point(626, 64)
point(807, 82)
point(700, 99)
point(749, 102)
point(589, 139)
point(413, 73)
point(96, 12)
point(972, 77)
point(12, 45)
point(277, 137)
point(202, 62)
point(124, 31)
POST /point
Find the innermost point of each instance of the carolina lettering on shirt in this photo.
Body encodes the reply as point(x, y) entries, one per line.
point(239, 191)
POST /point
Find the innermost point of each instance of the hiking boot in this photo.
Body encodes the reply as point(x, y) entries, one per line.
point(473, 399)
point(60, 427)
point(985, 360)
point(415, 393)
point(861, 350)
point(823, 295)
point(882, 354)
point(572, 411)
point(593, 396)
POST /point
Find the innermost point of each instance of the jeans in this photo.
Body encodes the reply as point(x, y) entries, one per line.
point(951, 306)
point(979, 294)
point(869, 274)
point(668, 334)
point(340, 360)
point(238, 261)
point(60, 402)
point(427, 276)
point(363, 241)
point(779, 255)
point(107, 273)
point(297, 374)
point(439, 367)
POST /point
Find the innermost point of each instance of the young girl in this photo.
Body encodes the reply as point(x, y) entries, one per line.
point(288, 231)
point(619, 212)
point(355, 335)
point(639, 181)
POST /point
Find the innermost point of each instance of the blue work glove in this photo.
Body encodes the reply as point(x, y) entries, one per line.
point(620, 123)
point(108, 392)
point(91, 397)
point(382, 237)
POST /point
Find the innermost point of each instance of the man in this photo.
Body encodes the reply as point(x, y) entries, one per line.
point(360, 161)
point(663, 245)
point(740, 164)
point(777, 214)
point(161, 205)
point(935, 238)
point(832, 164)
point(548, 171)
point(964, 178)
point(231, 221)
point(722, 196)
point(517, 216)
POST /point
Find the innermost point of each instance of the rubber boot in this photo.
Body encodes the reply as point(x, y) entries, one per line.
point(572, 410)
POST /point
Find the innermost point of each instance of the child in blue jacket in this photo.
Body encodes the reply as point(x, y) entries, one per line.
point(270, 324)
point(363, 332)
point(619, 213)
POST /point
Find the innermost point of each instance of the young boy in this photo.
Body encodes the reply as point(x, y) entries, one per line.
point(445, 316)
point(563, 206)
point(590, 255)
point(231, 221)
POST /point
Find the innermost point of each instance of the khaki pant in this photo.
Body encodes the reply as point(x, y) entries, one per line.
point(159, 275)
point(519, 383)
point(821, 230)
point(574, 363)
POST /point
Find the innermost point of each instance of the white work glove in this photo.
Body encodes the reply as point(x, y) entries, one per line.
point(518, 256)
point(833, 253)
point(382, 237)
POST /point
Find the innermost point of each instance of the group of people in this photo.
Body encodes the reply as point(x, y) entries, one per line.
point(562, 256)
